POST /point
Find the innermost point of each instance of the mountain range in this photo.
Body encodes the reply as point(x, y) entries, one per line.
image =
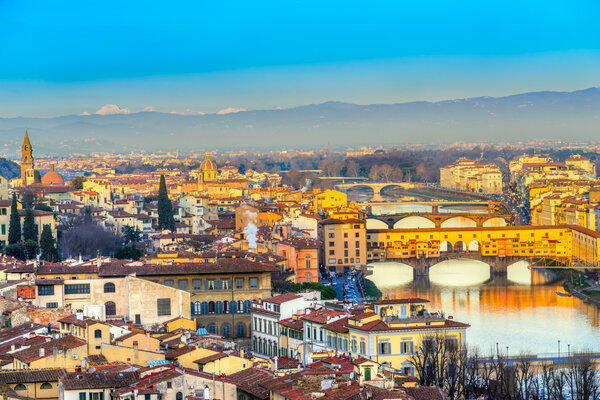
point(551, 115)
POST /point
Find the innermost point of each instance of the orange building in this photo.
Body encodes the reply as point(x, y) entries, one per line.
point(344, 243)
point(302, 257)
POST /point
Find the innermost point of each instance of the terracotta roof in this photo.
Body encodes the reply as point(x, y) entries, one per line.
point(32, 375)
point(292, 323)
point(14, 332)
point(33, 353)
point(99, 380)
point(173, 354)
point(210, 358)
point(249, 381)
point(282, 298)
point(338, 325)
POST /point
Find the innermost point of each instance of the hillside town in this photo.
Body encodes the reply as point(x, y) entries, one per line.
point(221, 282)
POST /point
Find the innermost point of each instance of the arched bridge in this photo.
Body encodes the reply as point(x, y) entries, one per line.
point(437, 220)
point(377, 187)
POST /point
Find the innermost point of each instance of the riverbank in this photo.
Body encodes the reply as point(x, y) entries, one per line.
point(578, 285)
point(371, 290)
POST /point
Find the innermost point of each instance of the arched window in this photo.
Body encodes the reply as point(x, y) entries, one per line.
point(46, 386)
point(211, 307)
point(204, 308)
point(226, 330)
point(20, 386)
point(247, 306)
point(241, 330)
point(109, 287)
point(212, 328)
point(233, 307)
point(219, 307)
point(110, 308)
point(240, 306)
point(98, 334)
point(225, 306)
point(179, 396)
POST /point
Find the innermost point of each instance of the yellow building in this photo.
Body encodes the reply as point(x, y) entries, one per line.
point(67, 352)
point(329, 200)
point(390, 331)
point(472, 176)
point(187, 324)
point(586, 246)
point(34, 384)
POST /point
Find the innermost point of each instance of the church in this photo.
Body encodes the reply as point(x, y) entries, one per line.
point(28, 172)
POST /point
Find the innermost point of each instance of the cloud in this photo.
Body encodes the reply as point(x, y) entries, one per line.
point(230, 110)
point(109, 109)
point(187, 112)
point(149, 109)
point(85, 113)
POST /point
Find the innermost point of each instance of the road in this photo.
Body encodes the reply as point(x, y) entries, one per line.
point(346, 287)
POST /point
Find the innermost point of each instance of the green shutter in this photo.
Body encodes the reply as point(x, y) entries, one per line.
point(81, 395)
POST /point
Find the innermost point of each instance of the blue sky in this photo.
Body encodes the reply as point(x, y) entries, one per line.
point(70, 57)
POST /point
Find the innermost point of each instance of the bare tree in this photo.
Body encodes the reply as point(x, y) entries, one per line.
point(352, 168)
point(386, 171)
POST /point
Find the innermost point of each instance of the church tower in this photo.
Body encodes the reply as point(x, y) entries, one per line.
point(26, 159)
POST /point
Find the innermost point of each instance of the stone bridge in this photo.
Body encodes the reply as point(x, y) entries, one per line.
point(437, 220)
point(377, 187)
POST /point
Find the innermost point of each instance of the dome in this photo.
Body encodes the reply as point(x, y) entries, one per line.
point(208, 164)
point(52, 177)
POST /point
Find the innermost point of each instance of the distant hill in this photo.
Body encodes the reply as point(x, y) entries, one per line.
point(9, 169)
point(564, 115)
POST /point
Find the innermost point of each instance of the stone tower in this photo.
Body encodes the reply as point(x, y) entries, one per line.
point(26, 158)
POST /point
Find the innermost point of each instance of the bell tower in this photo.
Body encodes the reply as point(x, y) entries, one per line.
point(26, 157)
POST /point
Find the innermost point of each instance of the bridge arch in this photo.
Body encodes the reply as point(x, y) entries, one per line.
point(495, 221)
point(391, 185)
point(376, 223)
point(460, 246)
point(446, 247)
point(459, 222)
point(473, 246)
point(414, 221)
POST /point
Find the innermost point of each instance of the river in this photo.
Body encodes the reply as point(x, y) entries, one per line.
point(520, 310)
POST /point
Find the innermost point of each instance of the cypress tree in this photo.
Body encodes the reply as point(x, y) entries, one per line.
point(49, 252)
point(29, 229)
point(14, 227)
point(165, 208)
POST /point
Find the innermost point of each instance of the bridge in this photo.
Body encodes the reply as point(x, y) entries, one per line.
point(376, 187)
point(437, 220)
point(496, 246)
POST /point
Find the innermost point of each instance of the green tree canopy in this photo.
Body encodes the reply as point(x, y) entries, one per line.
point(77, 182)
point(14, 227)
point(49, 252)
point(327, 292)
point(30, 231)
point(165, 208)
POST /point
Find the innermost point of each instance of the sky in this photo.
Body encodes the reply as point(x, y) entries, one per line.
point(71, 57)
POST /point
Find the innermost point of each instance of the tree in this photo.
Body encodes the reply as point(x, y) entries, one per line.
point(128, 252)
point(31, 248)
point(77, 182)
point(15, 250)
point(131, 234)
point(386, 171)
point(352, 168)
point(165, 208)
point(14, 227)
point(37, 177)
point(30, 231)
point(43, 207)
point(49, 252)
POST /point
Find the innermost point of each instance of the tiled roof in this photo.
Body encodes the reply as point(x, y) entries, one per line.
point(212, 357)
point(173, 354)
point(282, 298)
point(249, 381)
point(99, 380)
point(32, 375)
point(18, 331)
point(33, 353)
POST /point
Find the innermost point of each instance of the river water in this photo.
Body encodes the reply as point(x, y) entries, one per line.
point(520, 310)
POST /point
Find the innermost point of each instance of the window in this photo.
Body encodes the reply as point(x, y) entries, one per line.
point(345, 234)
point(331, 244)
point(308, 264)
point(226, 330)
point(353, 346)
point(96, 396)
point(4, 225)
point(20, 386)
point(253, 283)
point(357, 244)
point(212, 328)
point(384, 348)
point(331, 235)
point(46, 290)
point(109, 287)
point(46, 386)
point(183, 284)
point(197, 284)
point(51, 305)
point(406, 347)
point(169, 283)
point(363, 347)
point(357, 253)
point(241, 330)
point(80, 288)
point(356, 234)
point(163, 306)
point(226, 284)
point(110, 308)
point(209, 284)
point(239, 283)
point(169, 385)
point(332, 253)
point(346, 244)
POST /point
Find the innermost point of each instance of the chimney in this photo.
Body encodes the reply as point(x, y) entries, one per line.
point(42, 352)
point(12, 348)
point(79, 315)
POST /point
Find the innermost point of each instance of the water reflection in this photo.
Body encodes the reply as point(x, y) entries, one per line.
point(459, 273)
point(522, 312)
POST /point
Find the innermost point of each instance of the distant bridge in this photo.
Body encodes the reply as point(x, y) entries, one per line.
point(377, 187)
